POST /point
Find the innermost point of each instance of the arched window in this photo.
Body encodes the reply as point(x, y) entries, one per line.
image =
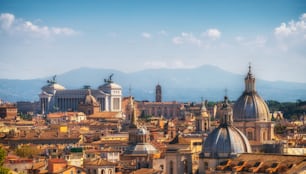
point(102, 171)
point(198, 125)
point(171, 167)
point(110, 171)
point(250, 135)
point(185, 162)
point(264, 136)
point(205, 165)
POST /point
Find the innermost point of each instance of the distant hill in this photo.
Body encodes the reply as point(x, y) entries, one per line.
point(184, 85)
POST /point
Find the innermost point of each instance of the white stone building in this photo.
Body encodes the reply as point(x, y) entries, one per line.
point(54, 97)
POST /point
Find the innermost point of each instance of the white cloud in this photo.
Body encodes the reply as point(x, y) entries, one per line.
point(258, 41)
point(174, 64)
point(188, 38)
point(146, 35)
point(239, 38)
point(11, 25)
point(155, 64)
point(163, 33)
point(291, 35)
point(177, 40)
point(292, 28)
point(213, 33)
point(6, 20)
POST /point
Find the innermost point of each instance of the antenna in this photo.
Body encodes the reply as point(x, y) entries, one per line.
point(225, 91)
point(130, 90)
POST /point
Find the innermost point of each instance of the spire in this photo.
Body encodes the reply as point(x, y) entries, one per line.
point(250, 68)
point(249, 81)
point(227, 113)
point(130, 90)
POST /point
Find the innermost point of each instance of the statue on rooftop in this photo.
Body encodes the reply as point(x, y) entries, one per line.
point(109, 80)
point(52, 81)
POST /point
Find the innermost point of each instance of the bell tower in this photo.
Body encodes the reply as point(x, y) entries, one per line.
point(158, 93)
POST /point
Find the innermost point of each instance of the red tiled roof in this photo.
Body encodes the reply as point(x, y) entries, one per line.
point(103, 115)
point(57, 160)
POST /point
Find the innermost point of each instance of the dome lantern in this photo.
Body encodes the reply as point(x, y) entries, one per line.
point(227, 113)
point(249, 81)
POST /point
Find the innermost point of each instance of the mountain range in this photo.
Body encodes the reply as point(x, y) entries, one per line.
point(184, 85)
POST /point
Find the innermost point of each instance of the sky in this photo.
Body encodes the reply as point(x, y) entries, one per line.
point(43, 38)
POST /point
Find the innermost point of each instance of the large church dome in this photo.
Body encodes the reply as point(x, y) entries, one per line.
point(226, 140)
point(250, 106)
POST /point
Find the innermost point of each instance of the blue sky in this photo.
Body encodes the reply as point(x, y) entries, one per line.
point(42, 38)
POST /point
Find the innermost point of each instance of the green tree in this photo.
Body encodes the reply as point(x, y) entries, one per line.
point(2, 158)
point(27, 151)
point(4, 170)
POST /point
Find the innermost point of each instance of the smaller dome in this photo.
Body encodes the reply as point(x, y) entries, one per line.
point(141, 148)
point(226, 140)
point(90, 99)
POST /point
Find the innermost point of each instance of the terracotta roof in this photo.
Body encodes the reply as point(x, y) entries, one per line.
point(38, 165)
point(110, 149)
point(296, 162)
point(68, 168)
point(104, 115)
point(99, 162)
point(43, 171)
point(57, 160)
point(62, 114)
point(146, 171)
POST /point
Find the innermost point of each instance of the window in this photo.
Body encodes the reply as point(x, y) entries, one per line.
point(250, 135)
point(185, 166)
point(171, 167)
point(116, 103)
point(205, 165)
point(264, 136)
point(110, 171)
point(102, 171)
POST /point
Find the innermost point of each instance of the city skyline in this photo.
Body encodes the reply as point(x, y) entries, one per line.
point(39, 39)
